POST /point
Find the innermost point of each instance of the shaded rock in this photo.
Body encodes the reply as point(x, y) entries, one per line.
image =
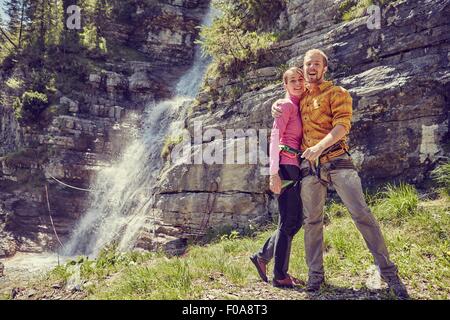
point(169, 244)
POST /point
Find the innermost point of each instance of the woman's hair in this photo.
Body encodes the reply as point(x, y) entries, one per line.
point(291, 71)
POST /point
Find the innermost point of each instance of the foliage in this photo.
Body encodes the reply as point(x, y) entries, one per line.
point(30, 106)
point(14, 83)
point(442, 176)
point(169, 143)
point(234, 38)
point(397, 202)
point(352, 9)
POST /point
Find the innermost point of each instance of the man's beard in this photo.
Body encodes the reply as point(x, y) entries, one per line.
point(316, 79)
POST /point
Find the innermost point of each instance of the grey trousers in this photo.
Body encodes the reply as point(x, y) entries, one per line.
point(348, 186)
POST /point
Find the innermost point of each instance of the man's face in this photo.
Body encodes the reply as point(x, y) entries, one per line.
point(295, 84)
point(314, 68)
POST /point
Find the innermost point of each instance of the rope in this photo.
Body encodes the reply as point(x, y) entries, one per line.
point(209, 208)
point(51, 220)
point(69, 186)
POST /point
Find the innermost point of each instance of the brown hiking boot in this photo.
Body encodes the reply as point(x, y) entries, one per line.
point(288, 282)
point(396, 285)
point(314, 283)
point(260, 267)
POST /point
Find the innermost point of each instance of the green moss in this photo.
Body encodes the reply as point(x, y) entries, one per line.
point(352, 9)
point(170, 142)
point(14, 83)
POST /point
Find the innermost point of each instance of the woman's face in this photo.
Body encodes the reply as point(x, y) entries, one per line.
point(295, 84)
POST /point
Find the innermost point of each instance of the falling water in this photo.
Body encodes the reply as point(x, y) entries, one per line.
point(122, 196)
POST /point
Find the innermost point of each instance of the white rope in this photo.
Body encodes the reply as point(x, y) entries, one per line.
point(69, 186)
point(51, 219)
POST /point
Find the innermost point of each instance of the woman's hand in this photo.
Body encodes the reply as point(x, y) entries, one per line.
point(275, 183)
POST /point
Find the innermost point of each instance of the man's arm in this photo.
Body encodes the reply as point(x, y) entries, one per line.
point(276, 108)
point(334, 136)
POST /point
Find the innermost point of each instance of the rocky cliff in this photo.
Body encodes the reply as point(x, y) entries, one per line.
point(89, 128)
point(398, 77)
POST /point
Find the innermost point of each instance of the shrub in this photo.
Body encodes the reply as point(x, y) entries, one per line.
point(30, 106)
point(397, 202)
point(170, 142)
point(14, 83)
point(442, 176)
point(233, 40)
point(352, 9)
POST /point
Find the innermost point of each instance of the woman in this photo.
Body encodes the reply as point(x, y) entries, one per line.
point(285, 170)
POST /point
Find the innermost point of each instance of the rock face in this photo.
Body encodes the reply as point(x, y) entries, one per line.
point(90, 128)
point(398, 76)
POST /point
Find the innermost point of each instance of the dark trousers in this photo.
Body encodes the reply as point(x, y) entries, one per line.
point(290, 222)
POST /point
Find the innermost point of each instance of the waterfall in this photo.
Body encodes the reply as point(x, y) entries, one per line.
point(122, 196)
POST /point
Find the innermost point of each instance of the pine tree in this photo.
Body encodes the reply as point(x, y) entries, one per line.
point(100, 20)
point(45, 19)
point(13, 10)
point(2, 40)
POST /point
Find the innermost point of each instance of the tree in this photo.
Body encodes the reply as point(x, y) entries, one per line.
point(234, 39)
point(45, 22)
point(15, 9)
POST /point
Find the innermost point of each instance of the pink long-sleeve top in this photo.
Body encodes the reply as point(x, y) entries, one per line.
point(287, 130)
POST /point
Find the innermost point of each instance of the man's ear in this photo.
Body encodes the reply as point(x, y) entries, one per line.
point(325, 69)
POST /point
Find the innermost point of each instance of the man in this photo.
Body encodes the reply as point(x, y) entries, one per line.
point(326, 112)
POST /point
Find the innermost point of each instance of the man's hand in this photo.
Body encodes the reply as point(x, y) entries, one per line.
point(275, 183)
point(276, 109)
point(313, 153)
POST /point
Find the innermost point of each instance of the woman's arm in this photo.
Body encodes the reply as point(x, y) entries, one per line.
point(278, 129)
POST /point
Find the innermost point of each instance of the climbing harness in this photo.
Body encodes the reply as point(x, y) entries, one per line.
point(315, 169)
point(289, 152)
point(292, 154)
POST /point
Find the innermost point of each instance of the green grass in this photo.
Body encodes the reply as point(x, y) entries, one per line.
point(418, 241)
point(352, 9)
point(397, 202)
point(442, 176)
